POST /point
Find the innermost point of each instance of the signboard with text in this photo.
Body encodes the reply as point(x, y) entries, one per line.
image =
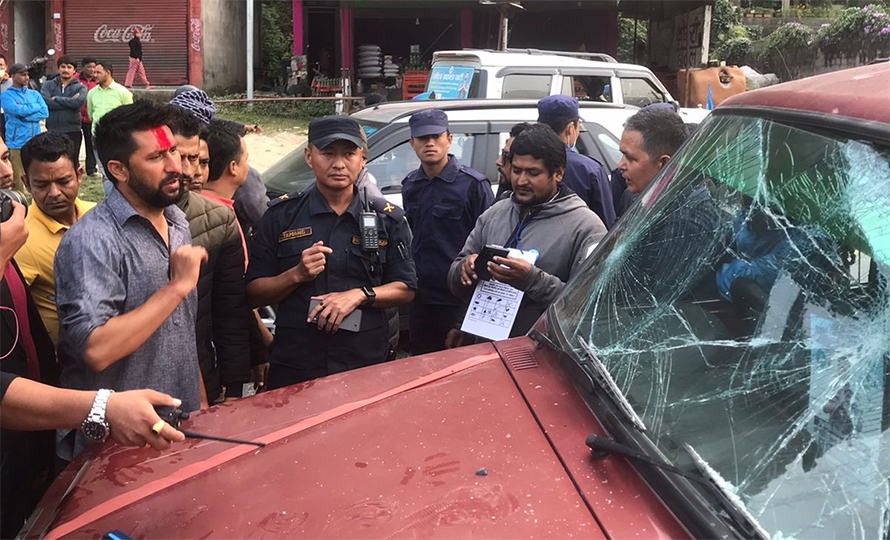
point(451, 82)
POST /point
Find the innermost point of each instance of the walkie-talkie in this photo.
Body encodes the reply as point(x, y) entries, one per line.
point(370, 241)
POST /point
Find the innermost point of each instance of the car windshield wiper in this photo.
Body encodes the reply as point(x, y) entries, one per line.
point(604, 379)
point(601, 447)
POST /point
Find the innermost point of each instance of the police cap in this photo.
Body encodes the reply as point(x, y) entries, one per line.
point(327, 129)
point(428, 122)
point(558, 108)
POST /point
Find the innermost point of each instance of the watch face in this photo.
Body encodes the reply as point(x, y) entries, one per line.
point(94, 431)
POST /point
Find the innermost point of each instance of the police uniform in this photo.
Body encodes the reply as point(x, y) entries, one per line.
point(441, 211)
point(292, 224)
point(584, 175)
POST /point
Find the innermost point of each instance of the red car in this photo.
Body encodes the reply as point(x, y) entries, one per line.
point(720, 369)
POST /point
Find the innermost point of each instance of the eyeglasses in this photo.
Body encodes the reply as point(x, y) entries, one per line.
point(504, 156)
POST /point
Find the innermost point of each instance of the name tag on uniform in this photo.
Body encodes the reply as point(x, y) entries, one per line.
point(382, 242)
point(295, 233)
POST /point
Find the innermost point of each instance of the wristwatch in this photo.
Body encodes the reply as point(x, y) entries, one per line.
point(95, 427)
point(370, 296)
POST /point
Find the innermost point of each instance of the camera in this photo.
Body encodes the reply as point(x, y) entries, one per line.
point(7, 197)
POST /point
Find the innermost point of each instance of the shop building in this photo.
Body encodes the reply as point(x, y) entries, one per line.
point(198, 42)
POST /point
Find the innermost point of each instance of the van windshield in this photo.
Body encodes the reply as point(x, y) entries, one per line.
point(743, 309)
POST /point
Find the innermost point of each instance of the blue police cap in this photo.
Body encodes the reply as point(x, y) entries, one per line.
point(327, 129)
point(428, 122)
point(558, 108)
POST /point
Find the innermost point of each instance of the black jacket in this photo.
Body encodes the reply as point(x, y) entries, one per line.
point(26, 458)
point(222, 322)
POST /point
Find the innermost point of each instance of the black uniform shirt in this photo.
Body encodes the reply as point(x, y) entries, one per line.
point(294, 223)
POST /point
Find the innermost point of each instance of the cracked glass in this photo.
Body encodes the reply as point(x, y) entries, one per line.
point(743, 309)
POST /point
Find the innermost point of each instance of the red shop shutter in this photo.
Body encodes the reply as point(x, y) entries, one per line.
point(102, 28)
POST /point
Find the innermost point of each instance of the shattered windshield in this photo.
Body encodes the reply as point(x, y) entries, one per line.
point(743, 309)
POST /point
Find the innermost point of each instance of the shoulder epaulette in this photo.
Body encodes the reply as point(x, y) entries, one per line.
point(387, 208)
point(474, 173)
point(295, 196)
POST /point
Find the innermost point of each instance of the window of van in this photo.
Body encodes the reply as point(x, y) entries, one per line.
point(587, 88)
point(519, 86)
point(640, 92)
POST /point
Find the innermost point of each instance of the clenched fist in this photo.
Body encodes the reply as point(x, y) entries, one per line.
point(185, 266)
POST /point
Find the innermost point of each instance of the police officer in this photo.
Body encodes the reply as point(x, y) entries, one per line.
point(584, 175)
point(318, 245)
point(442, 201)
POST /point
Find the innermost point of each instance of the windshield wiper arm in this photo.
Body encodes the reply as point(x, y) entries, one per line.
point(602, 376)
point(601, 447)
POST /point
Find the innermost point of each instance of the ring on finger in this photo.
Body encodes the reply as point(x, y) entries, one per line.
point(158, 427)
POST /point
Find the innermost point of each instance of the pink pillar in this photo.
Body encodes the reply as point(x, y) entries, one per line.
point(345, 37)
point(298, 27)
point(466, 28)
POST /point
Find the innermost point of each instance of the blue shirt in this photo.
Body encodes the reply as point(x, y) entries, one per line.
point(586, 177)
point(295, 222)
point(108, 264)
point(442, 211)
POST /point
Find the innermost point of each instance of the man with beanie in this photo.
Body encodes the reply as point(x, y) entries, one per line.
point(583, 175)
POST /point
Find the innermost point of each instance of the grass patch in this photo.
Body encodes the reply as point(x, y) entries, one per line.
point(269, 123)
point(91, 189)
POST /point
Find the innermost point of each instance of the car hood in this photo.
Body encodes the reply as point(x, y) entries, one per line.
point(442, 445)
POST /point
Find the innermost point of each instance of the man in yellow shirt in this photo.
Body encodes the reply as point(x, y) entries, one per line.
point(52, 175)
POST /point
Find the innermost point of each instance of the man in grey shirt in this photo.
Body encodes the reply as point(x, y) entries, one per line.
point(126, 272)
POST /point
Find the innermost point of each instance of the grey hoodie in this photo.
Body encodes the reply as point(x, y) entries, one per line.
point(562, 231)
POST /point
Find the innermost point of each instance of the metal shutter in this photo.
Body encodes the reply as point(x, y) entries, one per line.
point(102, 28)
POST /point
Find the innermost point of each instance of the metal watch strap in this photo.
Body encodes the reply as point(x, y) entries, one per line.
point(97, 413)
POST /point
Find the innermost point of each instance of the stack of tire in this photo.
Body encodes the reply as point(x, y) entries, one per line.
point(390, 69)
point(370, 62)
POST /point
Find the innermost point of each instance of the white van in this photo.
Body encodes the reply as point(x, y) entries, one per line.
point(533, 74)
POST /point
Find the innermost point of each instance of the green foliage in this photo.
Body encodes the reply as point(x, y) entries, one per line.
point(730, 40)
point(859, 32)
point(626, 45)
point(276, 34)
point(754, 32)
point(724, 15)
point(790, 36)
point(734, 50)
point(789, 49)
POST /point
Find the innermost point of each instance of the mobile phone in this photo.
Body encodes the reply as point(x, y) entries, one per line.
point(488, 253)
point(352, 322)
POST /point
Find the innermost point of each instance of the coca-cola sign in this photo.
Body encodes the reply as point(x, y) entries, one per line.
point(105, 34)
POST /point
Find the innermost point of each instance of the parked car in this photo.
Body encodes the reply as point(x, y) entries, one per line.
point(533, 74)
point(480, 129)
point(648, 402)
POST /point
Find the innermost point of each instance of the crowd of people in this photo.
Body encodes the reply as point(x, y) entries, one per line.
point(149, 298)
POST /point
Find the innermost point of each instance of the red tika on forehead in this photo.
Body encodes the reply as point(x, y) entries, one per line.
point(164, 141)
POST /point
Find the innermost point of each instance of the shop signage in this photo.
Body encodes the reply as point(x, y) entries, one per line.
point(106, 34)
point(451, 82)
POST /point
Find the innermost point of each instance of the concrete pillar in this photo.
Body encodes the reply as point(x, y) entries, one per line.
point(346, 38)
point(298, 45)
point(466, 28)
point(196, 44)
